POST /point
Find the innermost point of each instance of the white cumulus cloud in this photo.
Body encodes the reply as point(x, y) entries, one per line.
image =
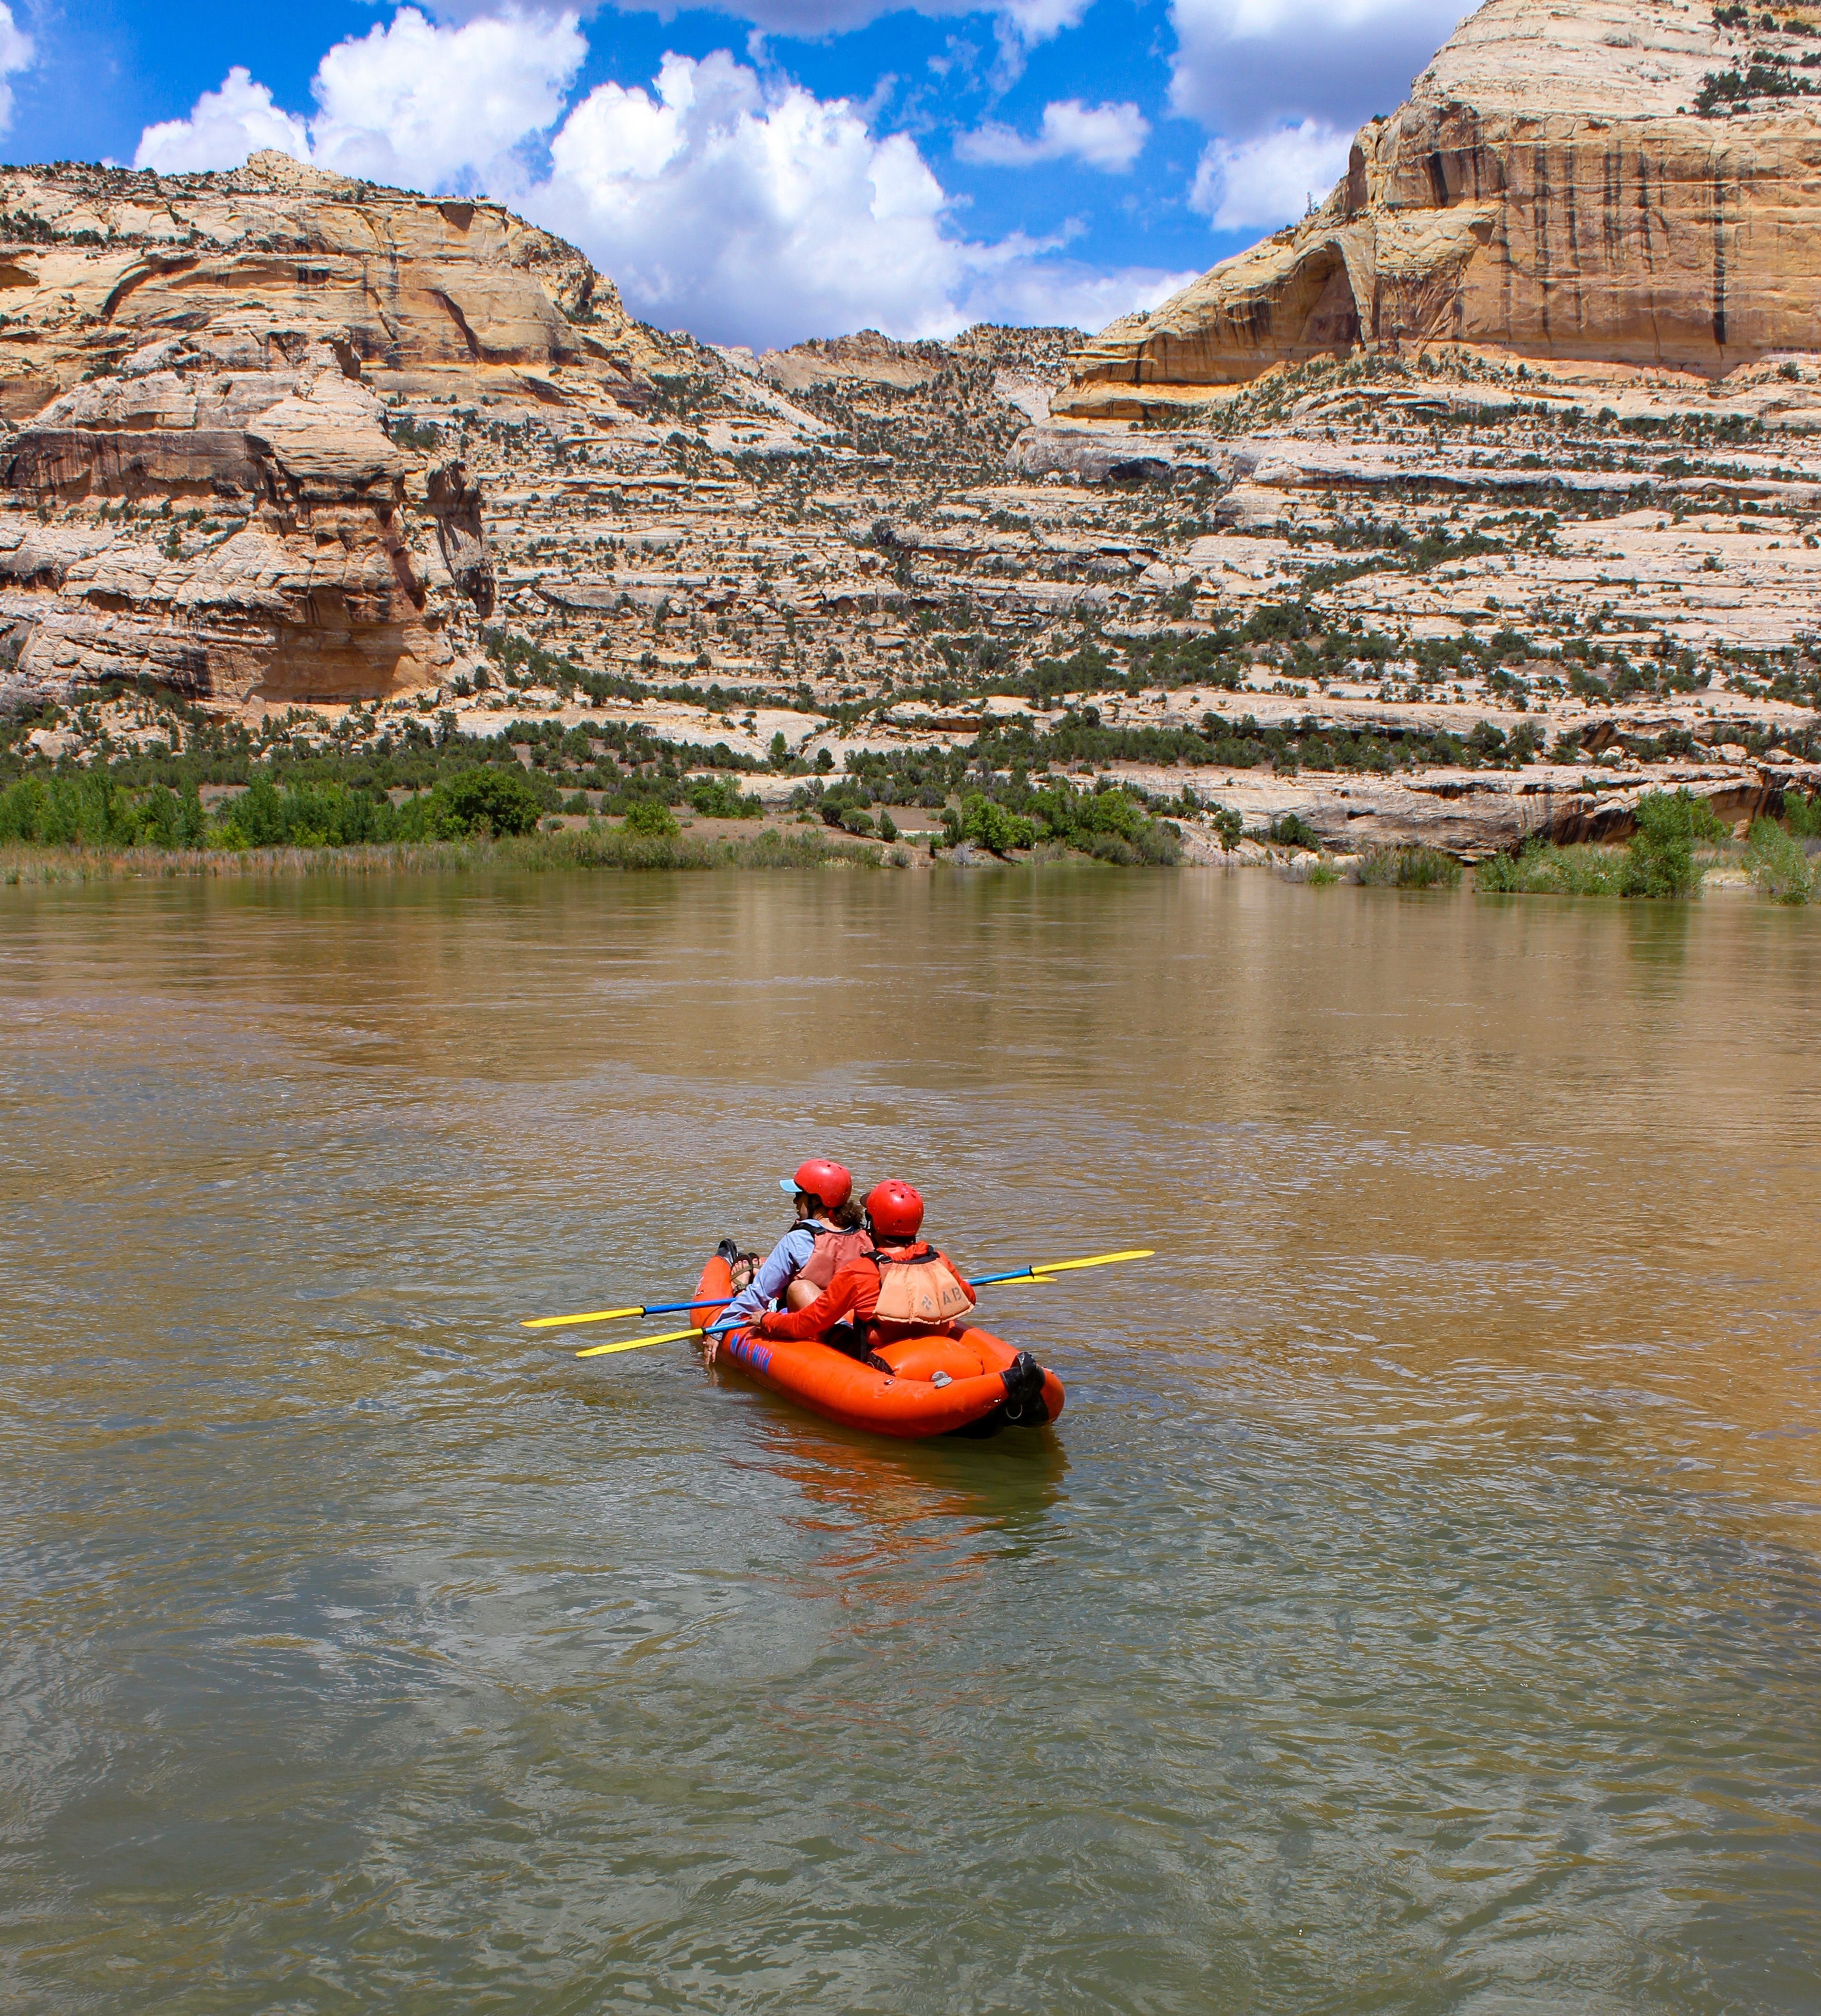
point(734, 203)
point(1029, 22)
point(1063, 293)
point(1099, 136)
point(1270, 179)
point(1245, 66)
point(432, 104)
point(223, 128)
point(17, 52)
point(722, 203)
point(416, 102)
point(748, 210)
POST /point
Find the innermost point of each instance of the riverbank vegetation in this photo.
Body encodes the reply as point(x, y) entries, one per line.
point(1677, 843)
point(597, 847)
point(1778, 860)
point(1408, 868)
point(217, 783)
point(420, 793)
point(1659, 861)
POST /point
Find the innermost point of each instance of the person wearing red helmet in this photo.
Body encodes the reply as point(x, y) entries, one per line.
point(826, 1235)
point(919, 1289)
point(902, 1287)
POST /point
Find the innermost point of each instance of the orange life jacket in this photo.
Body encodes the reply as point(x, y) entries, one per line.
point(917, 1286)
point(831, 1252)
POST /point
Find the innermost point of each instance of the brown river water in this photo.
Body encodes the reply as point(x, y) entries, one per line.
point(1415, 1610)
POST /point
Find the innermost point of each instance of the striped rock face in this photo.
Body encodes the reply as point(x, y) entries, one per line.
point(1608, 180)
point(200, 372)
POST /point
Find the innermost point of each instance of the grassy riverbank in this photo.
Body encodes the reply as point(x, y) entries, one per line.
point(1677, 845)
point(600, 847)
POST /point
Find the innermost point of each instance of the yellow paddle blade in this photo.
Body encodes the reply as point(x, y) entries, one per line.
point(1098, 1260)
point(636, 1343)
point(591, 1315)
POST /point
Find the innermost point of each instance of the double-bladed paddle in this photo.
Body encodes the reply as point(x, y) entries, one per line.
point(1040, 1271)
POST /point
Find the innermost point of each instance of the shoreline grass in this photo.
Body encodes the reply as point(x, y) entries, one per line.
point(608, 847)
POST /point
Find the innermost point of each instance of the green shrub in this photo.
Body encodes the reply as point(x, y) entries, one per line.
point(501, 801)
point(1659, 862)
point(1289, 831)
point(1228, 827)
point(1408, 868)
point(419, 434)
point(990, 826)
point(1778, 863)
point(1158, 845)
point(426, 817)
point(1108, 822)
point(715, 797)
point(1803, 815)
point(1498, 875)
point(88, 811)
point(650, 818)
point(1545, 870)
point(888, 828)
point(1660, 859)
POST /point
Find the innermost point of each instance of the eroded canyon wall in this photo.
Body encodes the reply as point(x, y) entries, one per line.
point(1552, 188)
point(221, 348)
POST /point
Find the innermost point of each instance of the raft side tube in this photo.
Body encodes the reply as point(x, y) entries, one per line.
point(903, 1401)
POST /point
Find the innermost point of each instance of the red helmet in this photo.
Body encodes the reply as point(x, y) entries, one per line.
point(827, 1182)
point(896, 1210)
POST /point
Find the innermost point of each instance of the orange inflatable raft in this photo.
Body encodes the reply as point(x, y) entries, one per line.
point(942, 1382)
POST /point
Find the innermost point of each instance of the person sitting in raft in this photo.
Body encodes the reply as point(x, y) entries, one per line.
point(827, 1233)
point(903, 1287)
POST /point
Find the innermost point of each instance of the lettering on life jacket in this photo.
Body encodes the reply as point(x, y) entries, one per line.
point(918, 1286)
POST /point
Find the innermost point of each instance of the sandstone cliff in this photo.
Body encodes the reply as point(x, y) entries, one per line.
point(179, 349)
point(95, 263)
point(1631, 180)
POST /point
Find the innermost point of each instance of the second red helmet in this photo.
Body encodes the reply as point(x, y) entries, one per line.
point(827, 1182)
point(894, 1208)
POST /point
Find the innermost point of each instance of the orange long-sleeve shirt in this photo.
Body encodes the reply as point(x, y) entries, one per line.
point(853, 1295)
point(854, 1292)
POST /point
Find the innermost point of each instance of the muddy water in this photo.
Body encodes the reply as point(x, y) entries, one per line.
point(1415, 1610)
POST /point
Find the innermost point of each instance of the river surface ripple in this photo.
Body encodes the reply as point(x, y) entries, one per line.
point(1415, 1610)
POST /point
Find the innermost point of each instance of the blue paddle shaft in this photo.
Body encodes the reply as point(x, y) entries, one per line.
point(721, 1302)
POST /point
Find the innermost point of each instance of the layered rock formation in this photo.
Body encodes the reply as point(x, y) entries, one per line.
point(1413, 592)
point(177, 350)
point(319, 595)
point(95, 263)
point(1552, 188)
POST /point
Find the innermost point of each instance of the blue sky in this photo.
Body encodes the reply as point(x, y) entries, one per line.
point(787, 168)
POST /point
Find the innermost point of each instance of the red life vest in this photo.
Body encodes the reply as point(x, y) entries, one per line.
point(831, 1252)
point(917, 1287)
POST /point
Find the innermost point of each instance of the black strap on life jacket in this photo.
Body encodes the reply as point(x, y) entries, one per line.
point(889, 1256)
